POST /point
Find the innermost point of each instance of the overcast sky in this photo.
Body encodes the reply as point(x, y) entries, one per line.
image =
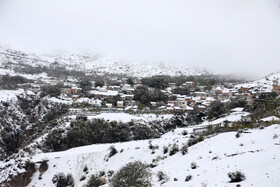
point(227, 36)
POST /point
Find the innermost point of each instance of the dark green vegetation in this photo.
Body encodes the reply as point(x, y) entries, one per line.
point(24, 120)
point(87, 132)
point(9, 82)
point(236, 176)
point(133, 174)
point(145, 96)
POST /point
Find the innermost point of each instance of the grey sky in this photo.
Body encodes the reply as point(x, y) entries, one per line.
point(222, 35)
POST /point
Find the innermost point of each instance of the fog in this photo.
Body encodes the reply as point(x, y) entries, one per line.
point(225, 36)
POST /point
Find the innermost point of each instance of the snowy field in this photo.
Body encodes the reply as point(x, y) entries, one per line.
point(7, 95)
point(256, 154)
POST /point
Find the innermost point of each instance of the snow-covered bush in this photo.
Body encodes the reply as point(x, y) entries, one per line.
point(94, 181)
point(173, 150)
point(193, 165)
point(61, 180)
point(184, 149)
point(236, 176)
point(188, 178)
point(195, 140)
point(165, 149)
point(162, 177)
point(113, 151)
point(132, 174)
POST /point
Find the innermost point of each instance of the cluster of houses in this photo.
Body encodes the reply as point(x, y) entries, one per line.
point(197, 100)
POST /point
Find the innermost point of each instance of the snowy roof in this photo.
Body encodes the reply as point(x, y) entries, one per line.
point(108, 93)
point(237, 109)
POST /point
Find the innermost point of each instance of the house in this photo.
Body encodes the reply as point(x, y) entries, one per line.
point(109, 105)
point(76, 90)
point(120, 104)
point(65, 90)
point(188, 84)
point(200, 94)
point(182, 103)
point(103, 93)
point(276, 89)
point(244, 89)
point(200, 108)
point(75, 97)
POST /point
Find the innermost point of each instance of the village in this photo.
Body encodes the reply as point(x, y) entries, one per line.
point(122, 97)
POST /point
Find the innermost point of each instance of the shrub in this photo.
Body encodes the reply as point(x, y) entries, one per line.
point(61, 180)
point(193, 165)
point(85, 169)
point(133, 174)
point(193, 141)
point(151, 146)
point(237, 135)
point(173, 150)
point(94, 181)
point(162, 177)
point(165, 149)
point(188, 178)
point(185, 132)
point(113, 151)
point(44, 166)
point(184, 149)
point(236, 176)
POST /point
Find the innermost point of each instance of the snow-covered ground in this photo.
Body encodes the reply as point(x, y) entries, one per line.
point(264, 84)
point(232, 117)
point(96, 63)
point(7, 95)
point(256, 154)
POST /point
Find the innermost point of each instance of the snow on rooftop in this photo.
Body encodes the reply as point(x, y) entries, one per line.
point(237, 109)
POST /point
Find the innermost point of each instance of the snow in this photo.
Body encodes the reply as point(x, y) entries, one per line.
point(265, 84)
point(270, 118)
point(258, 158)
point(7, 95)
point(233, 117)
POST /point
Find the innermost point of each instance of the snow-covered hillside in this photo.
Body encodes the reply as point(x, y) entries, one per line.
point(265, 84)
point(95, 63)
point(256, 153)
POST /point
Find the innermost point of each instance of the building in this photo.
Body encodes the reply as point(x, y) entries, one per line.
point(120, 104)
point(276, 89)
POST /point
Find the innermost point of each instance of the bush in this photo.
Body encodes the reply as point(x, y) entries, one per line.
point(44, 166)
point(185, 132)
point(94, 181)
point(237, 135)
point(61, 180)
point(193, 165)
point(113, 151)
point(193, 141)
point(165, 149)
point(216, 109)
point(236, 176)
point(188, 178)
point(173, 150)
point(162, 177)
point(184, 149)
point(133, 174)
